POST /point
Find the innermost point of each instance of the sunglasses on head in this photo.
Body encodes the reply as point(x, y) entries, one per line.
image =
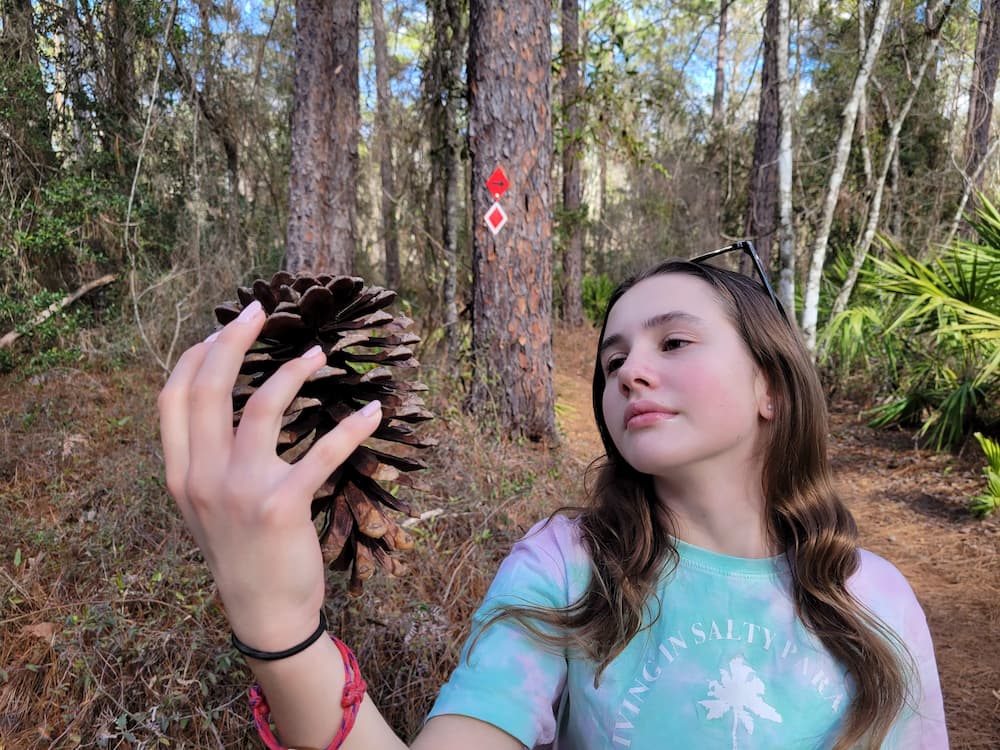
point(746, 246)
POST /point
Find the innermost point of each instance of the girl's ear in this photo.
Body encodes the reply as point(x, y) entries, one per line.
point(762, 393)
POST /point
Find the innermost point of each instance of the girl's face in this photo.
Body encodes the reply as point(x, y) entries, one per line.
point(681, 388)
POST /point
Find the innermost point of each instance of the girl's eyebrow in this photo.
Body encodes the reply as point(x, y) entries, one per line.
point(655, 321)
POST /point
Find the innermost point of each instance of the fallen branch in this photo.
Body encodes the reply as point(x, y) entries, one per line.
point(48, 312)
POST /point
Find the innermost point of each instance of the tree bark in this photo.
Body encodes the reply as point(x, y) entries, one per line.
point(384, 130)
point(810, 309)
point(762, 200)
point(323, 180)
point(715, 150)
point(786, 228)
point(983, 88)
point(719, 92)
point(445, 95)
point(572, 296)
point(510, 126)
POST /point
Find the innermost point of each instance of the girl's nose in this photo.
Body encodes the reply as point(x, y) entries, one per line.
point(636, 372)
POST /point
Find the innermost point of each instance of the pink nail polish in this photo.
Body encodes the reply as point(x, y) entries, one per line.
point(371, 408)
point(316, 351)
point(249, 312)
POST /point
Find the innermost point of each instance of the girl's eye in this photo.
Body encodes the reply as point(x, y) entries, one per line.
point(613, 364)
point(670, 344)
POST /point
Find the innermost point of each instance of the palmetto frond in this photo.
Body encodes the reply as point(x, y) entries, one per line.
point(944, 316)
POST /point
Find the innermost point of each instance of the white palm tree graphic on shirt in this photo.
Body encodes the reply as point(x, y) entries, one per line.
point(739, 691)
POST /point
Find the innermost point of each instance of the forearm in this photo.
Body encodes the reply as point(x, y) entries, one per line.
point(304, 693)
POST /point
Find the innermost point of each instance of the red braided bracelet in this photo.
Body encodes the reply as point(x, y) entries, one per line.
point(354, 692)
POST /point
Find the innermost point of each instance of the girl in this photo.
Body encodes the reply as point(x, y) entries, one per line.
point(710, 594)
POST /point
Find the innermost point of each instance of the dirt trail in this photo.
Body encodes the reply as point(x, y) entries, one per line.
point(910, 506)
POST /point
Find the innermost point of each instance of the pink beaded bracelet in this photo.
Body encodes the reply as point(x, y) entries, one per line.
point(354, 692)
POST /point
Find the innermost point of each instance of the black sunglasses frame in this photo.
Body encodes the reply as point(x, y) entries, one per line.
point(746, 246)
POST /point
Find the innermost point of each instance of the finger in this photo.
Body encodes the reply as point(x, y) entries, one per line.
point(258, 432)
point(211, 406)
point(172, 404)
point(332, 449)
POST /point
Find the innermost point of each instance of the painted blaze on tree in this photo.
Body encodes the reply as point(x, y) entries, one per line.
point(510, 126)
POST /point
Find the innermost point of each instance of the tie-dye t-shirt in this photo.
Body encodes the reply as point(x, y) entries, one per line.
point(726, 665)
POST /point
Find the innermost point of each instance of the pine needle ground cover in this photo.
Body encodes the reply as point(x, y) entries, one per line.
point(111, 634)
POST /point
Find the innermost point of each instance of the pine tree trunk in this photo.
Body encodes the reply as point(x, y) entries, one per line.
point(572, 167)
point(323, 179)
point(984, 82)
point(786, 228)
point(810, 309)
point(510, 126)
point(445, 95)
point(761, 215)
point(384, 140)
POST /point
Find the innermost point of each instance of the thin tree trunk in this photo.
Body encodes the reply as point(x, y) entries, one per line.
point(970, 182)
point(79, 114)
point(786, 228)
point(384, 140)
point(449, 46)
point(984, 82)
point(810, 309)
point(715, 152)
point(510, 127)
point(862, 126)
point(895, 204)
point(572, 296)
point(891, 146)
point(719, 93)
point(323, 178)
point(600, 260)
point(762, 200)
point(444, 94)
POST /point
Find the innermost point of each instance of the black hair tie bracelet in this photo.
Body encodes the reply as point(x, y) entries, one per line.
point(275, 655)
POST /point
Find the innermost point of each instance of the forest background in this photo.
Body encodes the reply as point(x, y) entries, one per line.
point(155, 155)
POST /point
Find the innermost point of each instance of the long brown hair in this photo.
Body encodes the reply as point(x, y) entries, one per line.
point(630, 534)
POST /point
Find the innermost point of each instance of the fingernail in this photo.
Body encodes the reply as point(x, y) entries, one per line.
point(212, 337)
point(249, 312)
point(371, 408)
point(314, 352)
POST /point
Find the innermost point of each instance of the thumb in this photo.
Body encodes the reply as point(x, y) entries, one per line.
point(334, 448)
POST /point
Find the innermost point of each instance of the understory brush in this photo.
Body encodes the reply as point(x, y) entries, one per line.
point(112, 633)
point(924, 337)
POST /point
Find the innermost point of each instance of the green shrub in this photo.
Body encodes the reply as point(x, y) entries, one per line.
point(935, 340)
point(989, 501)
point(596, 291)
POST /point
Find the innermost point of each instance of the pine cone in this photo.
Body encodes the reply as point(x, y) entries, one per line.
point(361, 341)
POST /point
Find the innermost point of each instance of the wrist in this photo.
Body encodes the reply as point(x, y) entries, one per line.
point(275, 631)
point(284, 653)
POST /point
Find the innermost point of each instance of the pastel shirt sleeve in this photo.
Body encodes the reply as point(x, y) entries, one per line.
point(921, 725)
point(506, 677)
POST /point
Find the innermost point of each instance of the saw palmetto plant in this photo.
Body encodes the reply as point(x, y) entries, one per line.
point(366, 347)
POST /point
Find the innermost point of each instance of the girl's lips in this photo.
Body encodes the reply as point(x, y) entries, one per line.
point(647, 418)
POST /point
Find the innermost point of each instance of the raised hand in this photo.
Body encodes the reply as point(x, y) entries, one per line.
point(247, 509)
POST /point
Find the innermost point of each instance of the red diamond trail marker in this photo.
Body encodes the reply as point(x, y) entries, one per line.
point(497, 183)
point(495, 217)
